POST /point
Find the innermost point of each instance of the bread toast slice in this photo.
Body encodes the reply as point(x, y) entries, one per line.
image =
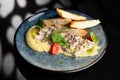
point(65, 14)
point(79, 32)
point(56, 21)
point(84, 24)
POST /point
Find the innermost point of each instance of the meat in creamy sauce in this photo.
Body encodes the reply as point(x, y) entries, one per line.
point(76, 43)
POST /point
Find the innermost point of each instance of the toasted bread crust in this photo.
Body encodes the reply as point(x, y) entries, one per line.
point(57, 21)
point(83, 32)
point(65, 14)
point(79, 32)
point(84, 24)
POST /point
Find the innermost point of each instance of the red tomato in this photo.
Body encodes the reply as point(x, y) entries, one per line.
point(54, 49)
point(89, 38)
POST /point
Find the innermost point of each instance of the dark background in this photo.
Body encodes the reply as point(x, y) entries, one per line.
point(108, 68)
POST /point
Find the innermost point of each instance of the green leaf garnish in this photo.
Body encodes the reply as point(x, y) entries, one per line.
point(40, 23)
point(89, 50)
point(93, 37)
point(57, 38)
point(60, 62)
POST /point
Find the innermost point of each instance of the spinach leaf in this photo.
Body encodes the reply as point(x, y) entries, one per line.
point(57, 38)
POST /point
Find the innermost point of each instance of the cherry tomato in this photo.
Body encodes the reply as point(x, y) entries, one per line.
point(89, 38)
point(54, 49)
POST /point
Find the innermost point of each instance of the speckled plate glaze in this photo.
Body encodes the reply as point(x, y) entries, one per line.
point(59, 63)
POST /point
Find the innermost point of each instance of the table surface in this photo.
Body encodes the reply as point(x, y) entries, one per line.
point(14, 67)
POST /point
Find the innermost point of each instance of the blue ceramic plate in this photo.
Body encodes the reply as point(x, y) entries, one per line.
point(59, 63)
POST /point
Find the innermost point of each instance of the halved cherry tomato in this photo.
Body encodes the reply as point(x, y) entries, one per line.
point(89, 38)
point(54, 48)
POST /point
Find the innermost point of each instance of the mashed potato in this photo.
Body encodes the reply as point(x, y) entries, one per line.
point(34, 43)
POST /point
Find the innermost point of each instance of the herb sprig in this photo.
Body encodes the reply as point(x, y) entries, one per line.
point(93, 37)
point(40, 23)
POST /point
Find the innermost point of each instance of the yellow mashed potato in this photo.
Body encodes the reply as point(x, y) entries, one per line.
point(40, 46)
